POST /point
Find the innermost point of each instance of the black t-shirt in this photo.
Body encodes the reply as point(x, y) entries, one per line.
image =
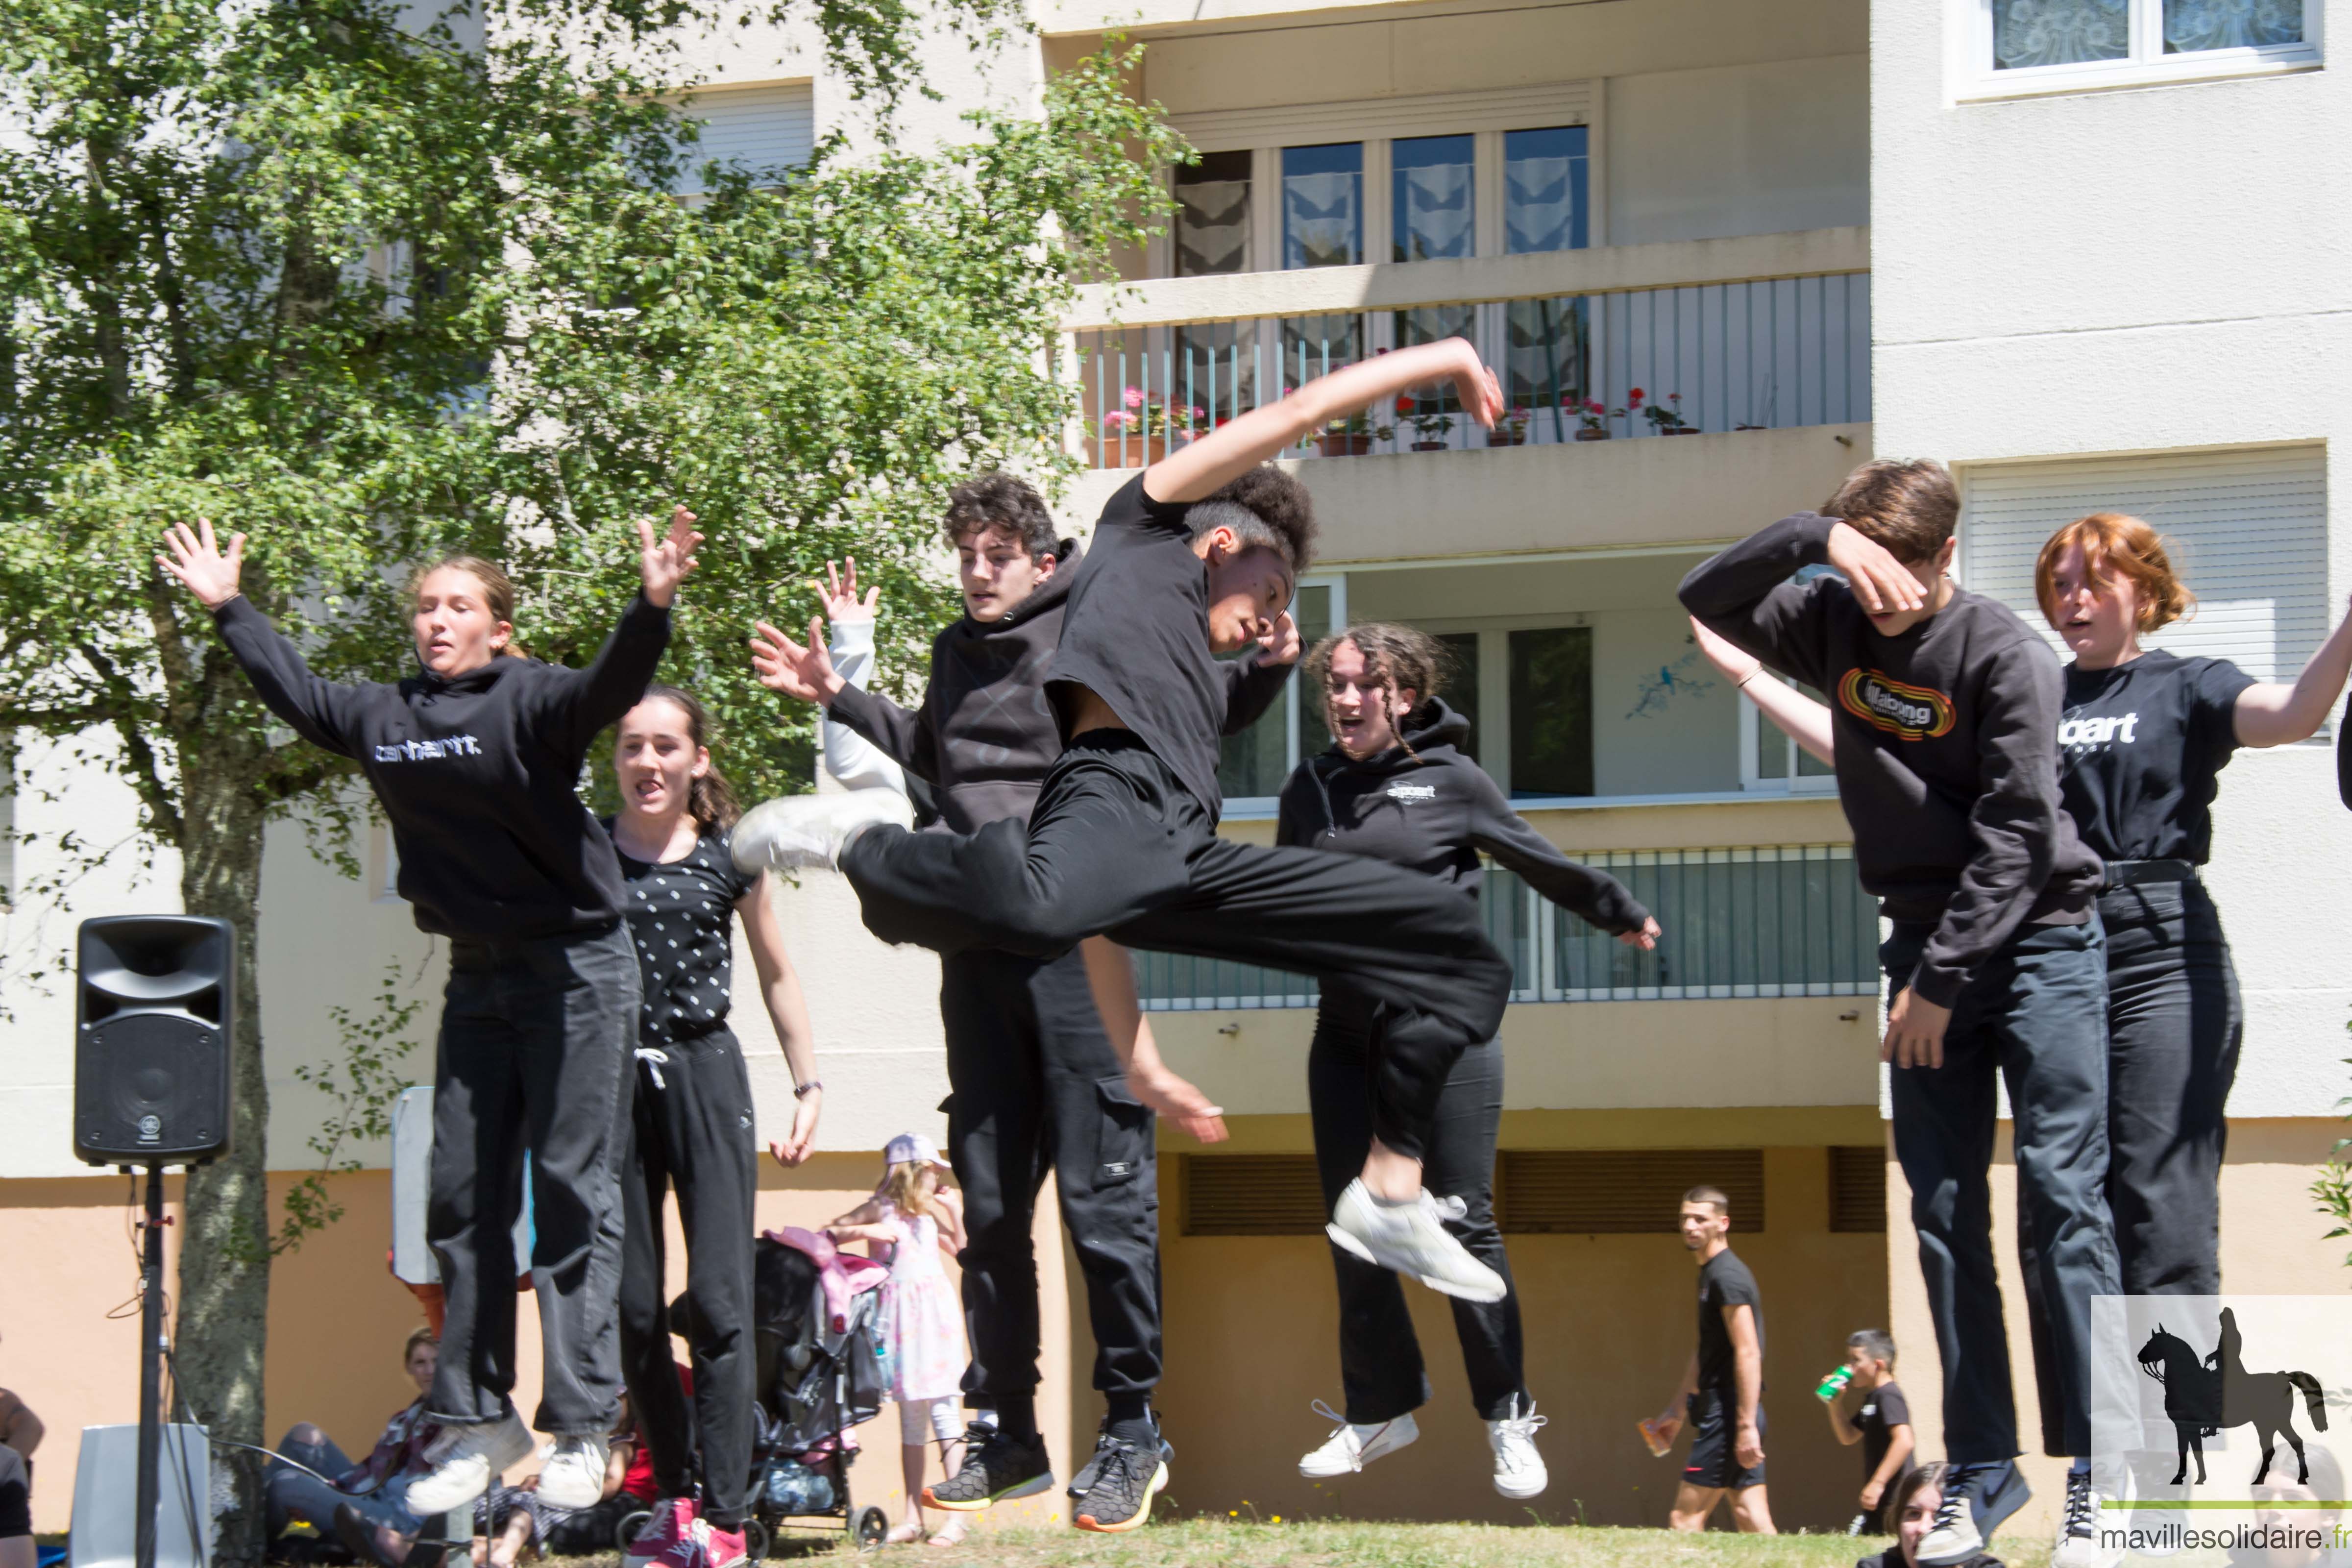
point(16, 1496)
point(680, 915)
point(2138, 748)
point(1724, 1281)
point(1136, 635)
point(1884, 1408)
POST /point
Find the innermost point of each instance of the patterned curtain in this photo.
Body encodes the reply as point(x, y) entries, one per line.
point(1436, 220)
point(2231, 24)
point(1320, 221)
point(1540, 211)
point(2059, 32)
point(1211, 227)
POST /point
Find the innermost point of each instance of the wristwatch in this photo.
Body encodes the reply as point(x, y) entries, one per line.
point(803, 1090)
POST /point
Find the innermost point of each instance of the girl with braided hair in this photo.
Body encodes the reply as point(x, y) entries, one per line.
point(1396, 786)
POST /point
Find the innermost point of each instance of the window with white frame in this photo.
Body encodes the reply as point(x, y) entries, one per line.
point(1770, 762)
point(2057, 46)
point(2246, 529)
point(765, 129)
point(1252, 765)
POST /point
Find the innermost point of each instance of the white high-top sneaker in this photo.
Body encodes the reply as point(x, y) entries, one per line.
point(573, 1476)
point(1518, 1469)
point(470, 1459)
point(1352, 1447)
point(1409, 1238)
point(799, 831)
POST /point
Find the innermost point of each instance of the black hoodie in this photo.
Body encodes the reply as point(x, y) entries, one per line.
point(1425, 806)
point(985, 734)
point(479, 773)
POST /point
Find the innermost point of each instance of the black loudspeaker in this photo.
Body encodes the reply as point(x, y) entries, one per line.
point(157, 1002)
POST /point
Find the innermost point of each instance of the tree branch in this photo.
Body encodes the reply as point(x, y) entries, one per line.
point(145, 767)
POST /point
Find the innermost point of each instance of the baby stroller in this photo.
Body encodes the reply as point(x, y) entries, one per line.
point(824, 1369)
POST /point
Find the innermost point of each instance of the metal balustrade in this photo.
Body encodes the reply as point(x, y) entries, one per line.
point(1776, 921)
point(1763, 354)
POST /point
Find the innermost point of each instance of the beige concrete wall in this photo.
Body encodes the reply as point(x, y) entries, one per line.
point(1253, 1321)
point(2272, 1243)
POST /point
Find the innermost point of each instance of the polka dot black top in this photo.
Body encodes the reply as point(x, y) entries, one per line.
point(681, 916)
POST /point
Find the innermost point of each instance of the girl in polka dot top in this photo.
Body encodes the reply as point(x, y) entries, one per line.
point(694, 1124)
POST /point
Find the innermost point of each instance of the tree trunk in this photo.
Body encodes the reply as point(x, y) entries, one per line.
point(225, 1242)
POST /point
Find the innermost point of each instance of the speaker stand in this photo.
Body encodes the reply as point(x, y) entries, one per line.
point(150, 1367)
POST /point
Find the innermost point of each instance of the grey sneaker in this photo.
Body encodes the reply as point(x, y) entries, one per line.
point(1084, 1481)
point(1977, 1498)
point(1410, 1238)
point(999, 1468)
point(802, 831)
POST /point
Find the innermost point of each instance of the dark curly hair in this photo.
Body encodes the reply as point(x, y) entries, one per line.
point(998, 500)
point(1396, 658)
point(1268, 509)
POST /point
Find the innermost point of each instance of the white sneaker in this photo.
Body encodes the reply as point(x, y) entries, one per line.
point(573, 1476)
point(1352, 1447)
point(1518, 1469)
point(1410, 1240)
point(2078, 1527)
point(469, 1459)
point(811, 830)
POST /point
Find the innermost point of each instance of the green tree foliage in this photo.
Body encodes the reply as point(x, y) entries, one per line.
point(370, 289)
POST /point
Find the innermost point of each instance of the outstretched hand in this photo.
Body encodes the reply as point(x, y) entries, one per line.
point(667, 563)
point(783, 665)
point(839, 591)
point(1646, 939)
point(198, 562)
point(1884, 585)
point(1177, 1100)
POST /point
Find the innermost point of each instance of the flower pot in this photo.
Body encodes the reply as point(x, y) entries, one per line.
point(1134, 452)
point(1341, 445)
point(1592, 434)
point(1502, 437)
point(1429, 446)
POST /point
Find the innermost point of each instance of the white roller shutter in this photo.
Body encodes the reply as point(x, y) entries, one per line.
point(2247, 530)
point(763, 128)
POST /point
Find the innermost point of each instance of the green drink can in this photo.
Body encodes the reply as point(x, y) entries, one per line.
point(1833, 1385)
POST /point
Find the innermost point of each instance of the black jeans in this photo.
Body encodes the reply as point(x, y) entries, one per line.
point(2174, 1025)
point(1037, 1087)
point(1380, 1366)
point(1115, 846)
point(534, 1052)
point(694, 1131)
point(2035, 1015)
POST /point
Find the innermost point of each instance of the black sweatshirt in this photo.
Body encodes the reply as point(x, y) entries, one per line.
point(985, 735)
point(1946, 746)
point(479, 773)
point(1431, 809)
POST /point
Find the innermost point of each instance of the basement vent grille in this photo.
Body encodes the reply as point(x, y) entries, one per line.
point(1623, 1192)
point(1253, 1195)
point(1858, 1189)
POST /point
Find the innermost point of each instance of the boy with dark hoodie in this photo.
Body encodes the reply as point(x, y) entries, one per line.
point(1035, 1082)
point(1396, 786)
point(1946, 713)
point(1122, 841)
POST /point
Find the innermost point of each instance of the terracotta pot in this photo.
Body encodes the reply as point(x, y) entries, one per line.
point(1134, 452)
point(1341, 444)
point(1682, 430)
point(1592, 434)
point(1429, 446)
point(1499, 437)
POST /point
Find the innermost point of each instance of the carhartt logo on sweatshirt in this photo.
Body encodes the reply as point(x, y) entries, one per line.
point(1911, 712)
point(424, 750)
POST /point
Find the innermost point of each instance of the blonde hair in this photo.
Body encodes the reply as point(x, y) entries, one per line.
point(2116, 544)
point(902, 1188)
point(418, 1336)
point(498, 590)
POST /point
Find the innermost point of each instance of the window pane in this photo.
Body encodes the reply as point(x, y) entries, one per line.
point(1312, 609)
point(1318, 345)
point(1552, 711)
point(1434, 209)
point(1544, 206)
point(1256, 762)
point(2231, 24)
point(1213, 215)
point(1457, 682)
point(1810, 766)
point(2059, 32)
point(1433, 415)
point(1323, 205)
point(1772, 747)
point(1547, 356)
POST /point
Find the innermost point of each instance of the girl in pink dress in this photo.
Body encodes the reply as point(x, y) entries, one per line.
point(913, 1221)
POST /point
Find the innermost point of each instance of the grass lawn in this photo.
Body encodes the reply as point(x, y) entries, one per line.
point(1337, 1543)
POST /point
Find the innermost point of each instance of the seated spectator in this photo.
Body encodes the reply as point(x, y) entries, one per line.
point(20, 1429)
point(1913, 1508)
point(511, 1517)
point(321, 1482)
point(16, 1549)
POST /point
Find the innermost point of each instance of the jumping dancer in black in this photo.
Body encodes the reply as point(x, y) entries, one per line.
point(1122, 840)
point(1396, 787)
point(694, 1125)
point(1038, 1086)
point(476, 761)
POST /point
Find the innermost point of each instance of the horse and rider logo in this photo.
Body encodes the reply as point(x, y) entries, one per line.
point(2204, 1394)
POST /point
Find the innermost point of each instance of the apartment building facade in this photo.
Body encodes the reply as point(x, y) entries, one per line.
point(1666, 223)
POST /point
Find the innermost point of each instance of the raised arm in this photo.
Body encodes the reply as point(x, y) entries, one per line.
point(2271, 714)
point(1596, 895)
point(1745, 594)
point(868, 738)
point(1197, 471)
point(780, 988)
point(318, 711)
point(579, 703)
point(1792, 712)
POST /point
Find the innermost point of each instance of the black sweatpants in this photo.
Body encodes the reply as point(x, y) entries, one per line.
point(1380, 1366)
point(694, 1131)
point(1037, 1087)
point(1115, 846)
point(534, 1052)
point(2174, 1025)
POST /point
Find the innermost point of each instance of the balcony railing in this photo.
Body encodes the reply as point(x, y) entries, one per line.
point(1587, 349)
point(1776, 921)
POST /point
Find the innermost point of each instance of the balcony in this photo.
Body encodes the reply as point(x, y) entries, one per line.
point(1763, 332)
